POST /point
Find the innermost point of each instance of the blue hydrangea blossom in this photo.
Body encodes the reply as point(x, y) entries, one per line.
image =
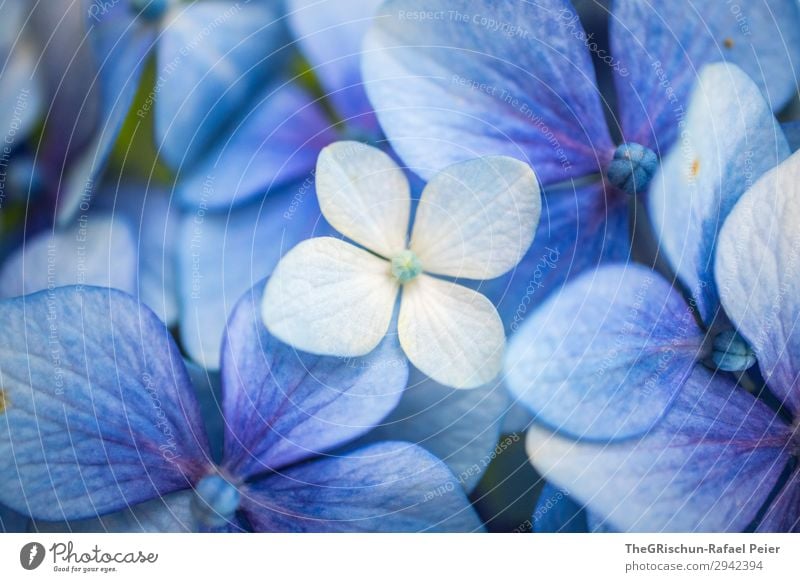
point(606, 357)
point(452, 80)
point(99, 416)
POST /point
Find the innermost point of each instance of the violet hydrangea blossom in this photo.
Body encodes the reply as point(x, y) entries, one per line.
point(605, 357)
point(453, 80)
point(639, 417)
point(98, 416)
point(721, 458)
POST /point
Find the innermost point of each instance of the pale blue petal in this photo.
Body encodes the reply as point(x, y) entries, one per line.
point(605, 358)
point(759, 280)
point(121, 44)
point(98, 250)
point(730, 139)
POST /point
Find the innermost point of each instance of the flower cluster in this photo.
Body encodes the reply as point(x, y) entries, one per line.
point(317, 265)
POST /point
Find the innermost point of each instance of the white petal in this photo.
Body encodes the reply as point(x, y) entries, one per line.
point(476, 219)
point(450, 333)
point(329, 297)
point(364, 195)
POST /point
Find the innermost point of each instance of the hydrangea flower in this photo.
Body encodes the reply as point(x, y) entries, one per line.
point(457, 79)
point(646, 428)
point(474, 220)
point(605, 358)
point(99, 416)
point(209, 58)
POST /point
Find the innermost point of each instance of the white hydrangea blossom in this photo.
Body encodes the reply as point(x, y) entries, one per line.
point(475, 220)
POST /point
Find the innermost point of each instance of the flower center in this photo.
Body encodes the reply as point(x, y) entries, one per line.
point(406, 266)
point(731, 352)
point(216, 501)
point(149, 9)
point(632, 168)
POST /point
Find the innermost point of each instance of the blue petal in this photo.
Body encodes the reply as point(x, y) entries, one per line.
point(211, 57)
point(479, 78)
point(168, 514)
point(730, 139)
point(282, 406)
point(708, 466)
point(662, 47)
point(557, 512)
point(121, 44)
point(330, 34)
point(97, 413)
point(154, 220)
point(98, 250)
point(783, 514)
point(581, 228)
point(604, 359)
point(222, 255)
point(759, 282)
point(461, 427)
point(388, 487)
point(275, 144)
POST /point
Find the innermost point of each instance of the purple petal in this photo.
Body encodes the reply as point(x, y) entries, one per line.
point(708, 466)
point(485, 78)
point(661, 49)
point(282, 406)
point(580, 229)
point(168, 514)
point(783, 514)
point(98, 413)
point(388, 487)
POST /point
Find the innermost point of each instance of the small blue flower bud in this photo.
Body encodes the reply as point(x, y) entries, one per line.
point(216, 501)
point(731, 352)
point(632, 168)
